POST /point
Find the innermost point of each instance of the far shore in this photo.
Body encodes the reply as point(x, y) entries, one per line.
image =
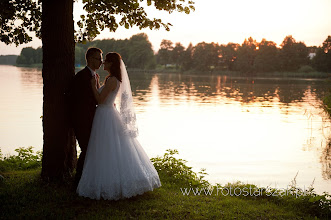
point(236, 74)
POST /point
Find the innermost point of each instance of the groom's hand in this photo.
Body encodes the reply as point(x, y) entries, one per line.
point(97, 80)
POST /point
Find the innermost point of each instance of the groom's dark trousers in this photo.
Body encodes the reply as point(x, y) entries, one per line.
point(83, 105)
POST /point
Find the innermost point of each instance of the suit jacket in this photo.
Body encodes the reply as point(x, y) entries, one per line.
point(82, 101)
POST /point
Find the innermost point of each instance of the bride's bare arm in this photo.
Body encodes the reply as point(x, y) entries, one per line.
point(110, 85)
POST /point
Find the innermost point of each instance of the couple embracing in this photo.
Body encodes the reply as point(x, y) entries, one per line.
point(112, 164)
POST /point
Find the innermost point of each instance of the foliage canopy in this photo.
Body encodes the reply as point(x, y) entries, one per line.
point(18, 18)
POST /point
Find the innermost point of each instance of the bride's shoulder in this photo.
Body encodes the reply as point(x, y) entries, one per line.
point(111, 81)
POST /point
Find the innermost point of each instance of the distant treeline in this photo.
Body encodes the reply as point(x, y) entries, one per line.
point(30, 56)
point(136, 52)
point(249, 57)
point(8, 59)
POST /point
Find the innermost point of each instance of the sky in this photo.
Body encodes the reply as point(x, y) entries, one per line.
point(224, 21)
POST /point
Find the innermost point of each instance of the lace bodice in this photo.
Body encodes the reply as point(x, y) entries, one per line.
point(112, 95)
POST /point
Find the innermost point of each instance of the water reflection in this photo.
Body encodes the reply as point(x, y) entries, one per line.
point(245, 90)
point(287, 113)
point(31, 77)
point(326, 162)
point(177, 89)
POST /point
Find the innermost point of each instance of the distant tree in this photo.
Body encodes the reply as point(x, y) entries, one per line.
point(113, 45)
point(187, 58)
point(229, 55)
point(177, 54)
point(302, 54)
point(293, 54)
point(140, 52)
point(38, 55)
point(267, 57)
point(327, 44)
point(206, 56)
point(246, 55)
point(136, 52)
point(28, 53)
point(29, 56)
point(164, 53)
point(21, 60)
point(322, 60)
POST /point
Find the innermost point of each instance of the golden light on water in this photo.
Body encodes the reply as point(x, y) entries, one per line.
point(21, 108)
point(232, 138)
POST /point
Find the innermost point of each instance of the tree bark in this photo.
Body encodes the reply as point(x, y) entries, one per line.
point(59, 151)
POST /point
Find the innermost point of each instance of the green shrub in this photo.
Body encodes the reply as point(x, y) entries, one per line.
point(174, 170)
point(26, 159)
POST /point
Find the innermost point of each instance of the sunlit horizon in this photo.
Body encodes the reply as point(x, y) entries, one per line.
point(223, 22)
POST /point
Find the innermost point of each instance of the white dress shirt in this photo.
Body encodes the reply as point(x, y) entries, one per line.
point(93, 73)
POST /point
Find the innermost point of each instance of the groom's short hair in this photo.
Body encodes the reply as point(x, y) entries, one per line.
point(91, 51)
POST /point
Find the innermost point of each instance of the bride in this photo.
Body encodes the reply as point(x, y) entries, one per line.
point(116, 166)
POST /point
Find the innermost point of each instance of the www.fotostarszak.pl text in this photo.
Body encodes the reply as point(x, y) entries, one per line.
point(243, 191)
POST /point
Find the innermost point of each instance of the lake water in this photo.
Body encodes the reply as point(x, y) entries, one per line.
point(254, 130)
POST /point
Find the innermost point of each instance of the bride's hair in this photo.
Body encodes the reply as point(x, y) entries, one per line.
point(115, 69)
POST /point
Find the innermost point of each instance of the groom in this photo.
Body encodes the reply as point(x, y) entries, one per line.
point(84, 104)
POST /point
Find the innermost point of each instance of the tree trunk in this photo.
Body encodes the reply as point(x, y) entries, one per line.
point(59, 151)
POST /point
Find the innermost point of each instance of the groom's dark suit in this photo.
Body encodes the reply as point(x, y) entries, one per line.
point(83, 106)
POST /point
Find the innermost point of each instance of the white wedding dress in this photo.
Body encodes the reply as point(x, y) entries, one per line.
point(116, 166)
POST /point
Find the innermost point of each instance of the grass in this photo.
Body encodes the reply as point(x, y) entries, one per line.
point(24, 195)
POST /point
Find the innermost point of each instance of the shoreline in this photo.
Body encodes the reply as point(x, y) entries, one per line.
point(232, 74)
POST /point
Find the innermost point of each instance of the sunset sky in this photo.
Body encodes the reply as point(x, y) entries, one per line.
point(224, 21)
